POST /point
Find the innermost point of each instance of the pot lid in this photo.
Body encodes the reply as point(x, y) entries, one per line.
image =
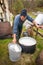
point(27, 41)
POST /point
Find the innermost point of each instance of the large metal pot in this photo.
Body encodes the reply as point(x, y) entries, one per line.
point(27, 44)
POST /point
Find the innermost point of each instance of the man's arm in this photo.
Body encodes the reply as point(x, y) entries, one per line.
point(38, 26)
point(34, 22)
point(15, 29)
point(30, 18)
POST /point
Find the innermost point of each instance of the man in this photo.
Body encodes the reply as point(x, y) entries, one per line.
point(18, 23)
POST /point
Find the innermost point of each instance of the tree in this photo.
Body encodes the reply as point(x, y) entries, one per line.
point(39, 3)
point(18, 6)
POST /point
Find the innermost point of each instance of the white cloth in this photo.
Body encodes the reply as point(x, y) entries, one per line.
point(27, 24)
point(39, 19)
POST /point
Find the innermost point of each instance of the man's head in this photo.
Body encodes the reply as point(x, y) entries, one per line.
point(23, 14)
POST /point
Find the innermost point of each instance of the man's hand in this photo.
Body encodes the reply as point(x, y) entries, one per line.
point(14, 38)
point(37, 26)
point(41, 26)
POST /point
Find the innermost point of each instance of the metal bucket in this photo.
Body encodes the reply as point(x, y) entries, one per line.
point(14, 52)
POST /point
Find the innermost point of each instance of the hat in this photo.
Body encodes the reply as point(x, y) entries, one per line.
point(24, 12)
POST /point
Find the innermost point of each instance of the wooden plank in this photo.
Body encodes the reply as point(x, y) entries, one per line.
point(38, 32)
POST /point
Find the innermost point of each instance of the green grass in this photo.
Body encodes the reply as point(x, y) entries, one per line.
point(4, 56)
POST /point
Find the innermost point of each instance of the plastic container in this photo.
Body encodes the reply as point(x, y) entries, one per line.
point(39, 19)
point(14, 51)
